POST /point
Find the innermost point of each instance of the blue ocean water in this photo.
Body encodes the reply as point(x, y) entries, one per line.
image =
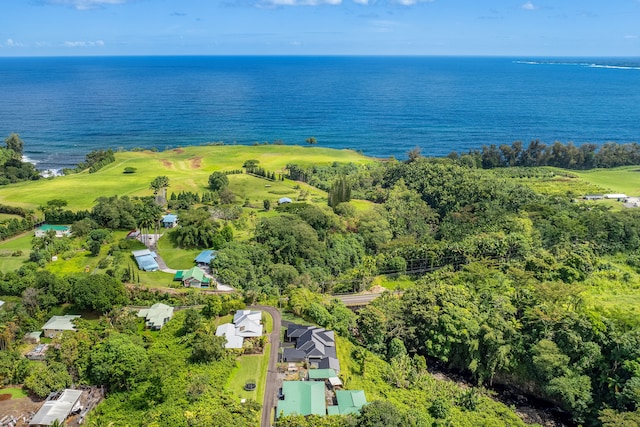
point(384, 106)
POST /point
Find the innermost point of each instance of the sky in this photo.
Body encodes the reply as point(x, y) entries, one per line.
point(320, 27)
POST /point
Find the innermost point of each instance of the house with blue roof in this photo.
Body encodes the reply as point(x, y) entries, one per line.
point(146, 260)
point(205, 257)
point(169, 220)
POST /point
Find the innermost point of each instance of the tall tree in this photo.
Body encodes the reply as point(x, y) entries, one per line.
point(15, 144)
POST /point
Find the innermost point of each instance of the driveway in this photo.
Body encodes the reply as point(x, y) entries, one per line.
point(273, 383)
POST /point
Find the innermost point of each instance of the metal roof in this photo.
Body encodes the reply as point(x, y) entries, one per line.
point(57, 409)
point(62, 323)
point(350, 401)
point(156, 315)
point(205, 257)
point(321, 374)
point(303, 398)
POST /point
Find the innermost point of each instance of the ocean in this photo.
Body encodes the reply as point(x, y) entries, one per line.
point(64, 107)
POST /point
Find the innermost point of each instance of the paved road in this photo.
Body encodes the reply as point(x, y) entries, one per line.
point(355, 300)
point(271, 388)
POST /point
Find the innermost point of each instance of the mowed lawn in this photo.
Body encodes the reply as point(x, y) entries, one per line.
point(8, 262)
point(624, 179)
point(253, 367)
point(188, 169)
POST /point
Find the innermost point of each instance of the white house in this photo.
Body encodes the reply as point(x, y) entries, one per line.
point(57, 324)
point(60, 230)
point(246, 324)
point(156, 316)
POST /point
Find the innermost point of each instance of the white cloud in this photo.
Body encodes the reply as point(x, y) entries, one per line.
point(97, 43)
point(277, 3)
point(529, 6)
point(301, 2)
point(13, 43)
point(86, 4)
point(411, 2)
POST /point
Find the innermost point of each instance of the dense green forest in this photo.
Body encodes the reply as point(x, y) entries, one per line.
point(498, 283)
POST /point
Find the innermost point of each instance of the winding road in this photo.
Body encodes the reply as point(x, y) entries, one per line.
point(271, 387)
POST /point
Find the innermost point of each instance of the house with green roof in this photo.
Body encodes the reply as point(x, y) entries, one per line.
point(156, 316)
point(349, 402)
point(193, 278)
point(302, 398)
point(60, 230)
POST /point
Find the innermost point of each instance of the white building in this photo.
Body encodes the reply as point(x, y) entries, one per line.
point(246, 324)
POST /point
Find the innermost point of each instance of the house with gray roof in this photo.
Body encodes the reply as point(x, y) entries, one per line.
point(58, 324)
point(315, 345)
point(156, 316)
point(57, 407)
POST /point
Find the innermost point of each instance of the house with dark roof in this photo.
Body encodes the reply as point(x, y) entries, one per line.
point(315, 345)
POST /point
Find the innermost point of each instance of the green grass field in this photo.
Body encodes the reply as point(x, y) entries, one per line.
point(178, 259)
point(8, 247)
point(15, 392)
point(188, 169)
point(617, 180)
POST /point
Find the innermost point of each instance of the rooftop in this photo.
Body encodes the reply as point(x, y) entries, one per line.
point(156, 315)
point(63, 323)
point(321, 374)
point(205, 257)
point(302, 398)
point(350, 401)
point(56, 409)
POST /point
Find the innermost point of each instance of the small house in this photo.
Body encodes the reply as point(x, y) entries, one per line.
point(302, 398)
point(133, 234)
point(618, 196)
point(156, 316)
point(58, 324)
point(349, 402)
point(57, 407)
point(60, 230)
point(205, 257)
point(146, 260)
point(32, 337)
point(193, 278)
point(169, 220)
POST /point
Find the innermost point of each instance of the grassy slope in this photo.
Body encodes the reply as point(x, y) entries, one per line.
point(619, 180)
point(10, 263)
point(188, 169)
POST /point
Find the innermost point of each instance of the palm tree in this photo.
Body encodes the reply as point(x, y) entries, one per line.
point(148, 218)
